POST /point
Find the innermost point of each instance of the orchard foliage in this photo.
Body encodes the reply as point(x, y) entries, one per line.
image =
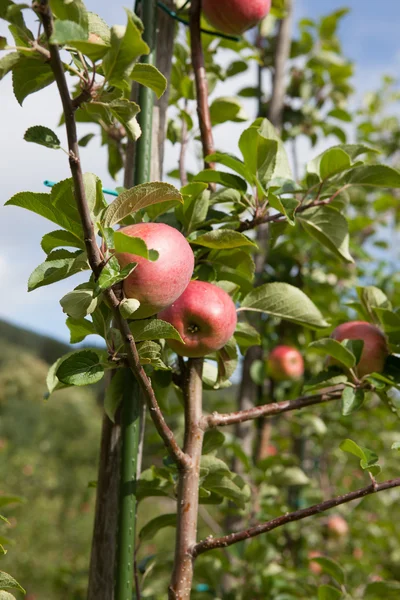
point(324, 228)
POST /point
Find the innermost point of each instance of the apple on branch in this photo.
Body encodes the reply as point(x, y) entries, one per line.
point(157, 284)
point(205, 317)
point(235, 16)
point(375, 350)
point(285, 362)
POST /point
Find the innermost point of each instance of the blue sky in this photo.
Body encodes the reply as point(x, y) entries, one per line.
point(369, 35)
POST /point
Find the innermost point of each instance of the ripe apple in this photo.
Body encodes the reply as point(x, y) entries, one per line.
point(157, 284)
point(205, 317)
point(235, 16)
point(338, 526)
point(375, 348)
point(314, 566)
point(285, 362)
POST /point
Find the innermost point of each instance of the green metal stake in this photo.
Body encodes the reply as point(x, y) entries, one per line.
point(131, 403)
point(146, 97)
point(130, 430)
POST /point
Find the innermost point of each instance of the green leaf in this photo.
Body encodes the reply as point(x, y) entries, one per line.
point(70, 11)
point(246, 335)
point(114, 393)
point(213, 439)
point(333, 161)
point(371, 298)
point(231, 162)
point(43, 136)
point(286, 206)
point(153, 329)
point(382, 589)
point(30, 75)
point(327, 592)
point(222, 239)
point(152, 527)
point(326, 378)
point(227, 109)
point(67, 31)
point(133, 245)
point(227, 359)
point(220, 177)
point(395, 446)
point(6, 596)
point(352, 400)
point(8, 62)
point(138, 197)
point(81, 368)
point(331, 567)
point(8, 582)
point(128, 307)
point(53, 270)
point(125, 112)
point(374, 176)
point(6, 500)
point(126, 47)
point(150, 353)
point(342, 115)
point(79, 329)
point(60, 239)
point(335, 349)
point(286, 302)
point(368, 458)
point(149, 76)
point(194, 210)
point(329, 228)
point(112, 274)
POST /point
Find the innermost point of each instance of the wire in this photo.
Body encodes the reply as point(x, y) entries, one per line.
point(175, 16)
point(48, 183)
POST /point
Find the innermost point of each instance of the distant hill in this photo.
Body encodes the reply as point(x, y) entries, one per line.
point(45, 347)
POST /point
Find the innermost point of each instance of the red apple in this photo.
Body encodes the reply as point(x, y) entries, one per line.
point(157, 284)
point(338, 526)
point(235, 16)
point(285, 362)
point(375, 348)
point(314, 566)
point(205, 317)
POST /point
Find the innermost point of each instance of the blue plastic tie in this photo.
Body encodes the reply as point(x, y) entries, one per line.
point(48, 183)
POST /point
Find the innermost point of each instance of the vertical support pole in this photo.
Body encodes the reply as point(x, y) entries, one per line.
point(130, 431)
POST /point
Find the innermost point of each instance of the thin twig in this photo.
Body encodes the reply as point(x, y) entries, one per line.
point(282, 52)
point(269, 410)
point(201, 81)
point(182, 153)
point(95, 257)
point(211, 543)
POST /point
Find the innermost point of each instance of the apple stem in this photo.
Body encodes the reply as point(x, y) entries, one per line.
point(188, 483)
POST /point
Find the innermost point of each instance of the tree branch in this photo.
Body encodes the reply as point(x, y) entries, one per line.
point(282, 53)
point(233, 538)
point(201, 81)
point(188, 486)
point(94, 255)
point(278, 218)
point(269, 410)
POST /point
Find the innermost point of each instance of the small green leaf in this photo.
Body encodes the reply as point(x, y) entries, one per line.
point(80, 302)
point(67, 31)
point(8, 62)
point(8, 582)
point(133, 245)
point(213, 439)
point(227, 109)
point(112, 274)
point(114, 393)
point(286, 302)
point(327, 592)
point(352, 400)
point(79, 329)
point(330, 347)
point(53, 270)
point(331, 567)
point(220, 239)
point(6, 500)
point(246, 335)
point(125, 112)
point(128, 307)
point(395, 446)
point(81, 368)
point(368, 458)
point(60, 239)
point(330, 228)
point(138, 197)
point(231, 162)
point(75, 11)
point(152, 527)
point(153, 329)
point(30, 75)
point(149, 76)
point(374, 176)
point(333, 161)
point(327, 378)
point(228, 180)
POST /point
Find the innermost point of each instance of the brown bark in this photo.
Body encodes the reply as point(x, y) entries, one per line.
point(188, 486)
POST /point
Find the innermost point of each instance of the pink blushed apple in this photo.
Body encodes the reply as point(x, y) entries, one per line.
point(235, 16)
point(375, 350)
point(205, 317)
point(157, 284)
point(285, 362)
point(338, 526)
